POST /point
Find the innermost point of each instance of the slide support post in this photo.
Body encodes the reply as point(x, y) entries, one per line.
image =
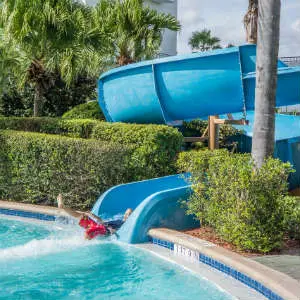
point(213, 133)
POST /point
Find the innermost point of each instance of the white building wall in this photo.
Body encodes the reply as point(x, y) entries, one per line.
point(169, 43)
point(90, 2)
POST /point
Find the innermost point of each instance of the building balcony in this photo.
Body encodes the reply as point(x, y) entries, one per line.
point(162, 1)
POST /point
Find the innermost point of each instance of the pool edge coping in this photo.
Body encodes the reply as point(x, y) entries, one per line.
point(278, 283)
point(33, 211)
point(205, 272)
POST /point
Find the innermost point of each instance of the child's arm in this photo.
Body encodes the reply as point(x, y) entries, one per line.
point(73, 213)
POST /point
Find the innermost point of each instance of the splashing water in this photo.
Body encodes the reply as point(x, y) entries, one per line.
point(57, 263)
point(58, 238)
point(45, 247)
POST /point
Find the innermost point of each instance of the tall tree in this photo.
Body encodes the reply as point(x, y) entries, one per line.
point(8, 60)
point(204, 41)
point(266, 80)
point(51, 37)
point(250, 22)
point(137, 29)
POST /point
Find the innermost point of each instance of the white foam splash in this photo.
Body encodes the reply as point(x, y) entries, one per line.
point(53, 244)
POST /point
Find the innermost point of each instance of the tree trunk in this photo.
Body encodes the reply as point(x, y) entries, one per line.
point(266, 80)
point(38, 100)
point(124, 60)
point(250, 22)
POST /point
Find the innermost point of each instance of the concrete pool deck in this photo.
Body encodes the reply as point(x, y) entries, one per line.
point(251, 271)
point(288, 264)
point(40, 209)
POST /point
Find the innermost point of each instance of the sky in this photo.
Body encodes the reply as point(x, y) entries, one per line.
point(224, 18)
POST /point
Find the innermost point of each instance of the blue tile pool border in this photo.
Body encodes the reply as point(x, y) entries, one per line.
point(227, 270)
point(26, 214)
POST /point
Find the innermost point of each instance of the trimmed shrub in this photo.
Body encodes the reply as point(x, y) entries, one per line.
point(244, 206)
point(35, 168)
point(43, 125)
point(194, 128)
point(197, 127)
point(157, 146)
point(292, 216)
point(90, 110)
point(80, 128)
point(74, 128)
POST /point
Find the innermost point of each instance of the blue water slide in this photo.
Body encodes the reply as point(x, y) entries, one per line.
point(155, 203)
point(190, 86)
point(173, 89)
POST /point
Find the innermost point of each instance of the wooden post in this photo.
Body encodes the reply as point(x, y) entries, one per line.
point(213, 133)
point(217, 136)
point(214, 123)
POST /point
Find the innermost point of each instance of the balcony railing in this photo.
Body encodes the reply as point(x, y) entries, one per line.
point(291, 61)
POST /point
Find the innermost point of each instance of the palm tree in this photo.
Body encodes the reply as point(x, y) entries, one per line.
point(266, 80)
point(137, 29)
point(204, 41)
point(230, 45)
point(51, 37)
point(8, 60)
point(250, 22)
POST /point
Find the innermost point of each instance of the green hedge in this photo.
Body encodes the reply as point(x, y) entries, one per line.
point(156, 146)
point(292, 216)
point(35, 168)
point(43, 125)
point(244, 206)
point(81, 128)
point(197, 127)
point(90, 110)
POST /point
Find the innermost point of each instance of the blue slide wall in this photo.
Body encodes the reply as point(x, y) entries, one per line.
point(156, 203)
point(191, 86)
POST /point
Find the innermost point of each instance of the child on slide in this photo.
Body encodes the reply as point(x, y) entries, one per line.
point(92, 224)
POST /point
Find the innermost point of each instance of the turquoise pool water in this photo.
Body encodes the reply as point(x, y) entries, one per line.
point(37, 262)
point(12, 233)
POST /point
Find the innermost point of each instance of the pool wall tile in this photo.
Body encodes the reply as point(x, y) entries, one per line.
point(227, 270)
point(27, 214)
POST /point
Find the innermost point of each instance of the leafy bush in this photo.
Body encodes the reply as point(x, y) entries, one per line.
point(74, 128)
point(90, 110)
point(197, 127)
point(43, 125)
point(80, 128)
point(194, 127)
point(16, 103)
point(58, 98)
point(35, 168)
point(244, 206)
point(292, 216)
point(157, 146)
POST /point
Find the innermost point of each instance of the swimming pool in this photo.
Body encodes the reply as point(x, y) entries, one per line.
point(55, 262)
